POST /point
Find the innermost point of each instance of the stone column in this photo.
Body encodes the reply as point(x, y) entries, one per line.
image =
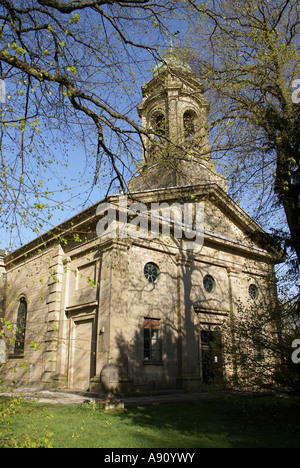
point(174, 127)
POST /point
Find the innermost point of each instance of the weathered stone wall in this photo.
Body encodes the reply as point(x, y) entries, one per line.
point(87, 303)
point(37, 279)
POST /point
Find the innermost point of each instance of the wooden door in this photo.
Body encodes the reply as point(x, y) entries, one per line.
point(82, 352)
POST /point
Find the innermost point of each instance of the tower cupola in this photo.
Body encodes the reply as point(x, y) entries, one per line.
point(174, 121)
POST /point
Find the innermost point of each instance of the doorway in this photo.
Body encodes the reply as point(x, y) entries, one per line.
point(82, 351)
point(211, 356)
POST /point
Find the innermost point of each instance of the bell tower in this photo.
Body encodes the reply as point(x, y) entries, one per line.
point(174, 118)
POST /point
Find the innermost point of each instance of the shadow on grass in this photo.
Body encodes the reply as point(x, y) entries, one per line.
point(229, 422)
point(232, 422)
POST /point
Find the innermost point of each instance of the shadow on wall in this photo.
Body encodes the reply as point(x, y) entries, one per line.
point(163, 350)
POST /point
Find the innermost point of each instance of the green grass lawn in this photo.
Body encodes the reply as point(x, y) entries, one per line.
point(234, 421)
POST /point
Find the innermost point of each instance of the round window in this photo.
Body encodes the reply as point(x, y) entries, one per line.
point(151, 272)
point(209, 284)
point(253, 291)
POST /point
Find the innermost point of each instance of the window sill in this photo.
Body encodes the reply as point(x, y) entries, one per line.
point(16, 356)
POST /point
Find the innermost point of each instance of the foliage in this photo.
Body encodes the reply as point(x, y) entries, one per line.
point(9, 411)
point(249, 63)
point(258, 345)
point(68, 79)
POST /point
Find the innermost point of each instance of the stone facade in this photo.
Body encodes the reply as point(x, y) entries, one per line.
point(89, 300)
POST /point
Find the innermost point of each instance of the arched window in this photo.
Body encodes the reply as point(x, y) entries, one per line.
point(158, 122)
point(21, 326)
point(189, 124)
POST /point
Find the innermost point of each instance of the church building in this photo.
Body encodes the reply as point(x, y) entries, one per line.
point(146, 283)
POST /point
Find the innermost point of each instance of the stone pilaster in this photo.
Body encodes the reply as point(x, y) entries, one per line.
point(188, 367)
point(234, 279)
point(52, 319)
point(60, 379)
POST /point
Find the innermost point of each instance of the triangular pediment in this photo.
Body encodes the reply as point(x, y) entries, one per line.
point(225, 222)
point(233, 226)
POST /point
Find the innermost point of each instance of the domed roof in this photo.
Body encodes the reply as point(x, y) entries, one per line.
point(171, 60)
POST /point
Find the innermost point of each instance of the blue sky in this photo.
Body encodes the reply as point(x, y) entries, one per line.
point(63, 165)
point(68, 178)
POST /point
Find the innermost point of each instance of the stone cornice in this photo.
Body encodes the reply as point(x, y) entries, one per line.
point(194, 193)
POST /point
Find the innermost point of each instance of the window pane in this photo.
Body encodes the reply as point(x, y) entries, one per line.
point(21, 327)
point(147, 344)
point(189, 124)
point(159, 123)
point(155, 345)
point(152, 339)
